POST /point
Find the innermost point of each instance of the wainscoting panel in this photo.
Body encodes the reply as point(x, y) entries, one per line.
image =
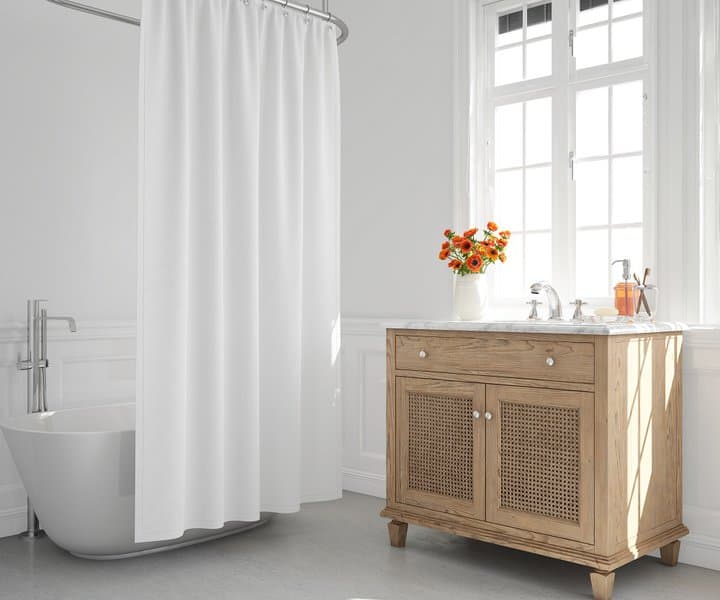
point(364, 428)
point(92, 367)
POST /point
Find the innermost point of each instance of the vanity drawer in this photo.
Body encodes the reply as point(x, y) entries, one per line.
point(497, 354)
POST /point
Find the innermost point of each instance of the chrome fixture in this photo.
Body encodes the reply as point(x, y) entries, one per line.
point(578, 314)
point(626, 267)
point(533, 316)
point(324, 14)
point(36, 364)
point(554, 306)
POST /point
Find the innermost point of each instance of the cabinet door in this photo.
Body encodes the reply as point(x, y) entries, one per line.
point(441, 445)
point(540, 474)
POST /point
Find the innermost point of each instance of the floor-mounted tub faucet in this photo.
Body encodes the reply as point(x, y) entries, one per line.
point(36, 364)
point(554, 306)
point(37, 360)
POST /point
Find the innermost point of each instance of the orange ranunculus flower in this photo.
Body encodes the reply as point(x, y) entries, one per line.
point(457, 240)
point(502, 243)
point(492, 226)
point(503, 258)
point(470, 232)
point(475, 263)
point(466, 246)
point(454, 263)
point(445, 245)
point(505, 235)
point(447, 232)
point(444, 253)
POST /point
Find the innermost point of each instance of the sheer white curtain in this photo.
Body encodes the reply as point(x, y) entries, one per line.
point(238, 340)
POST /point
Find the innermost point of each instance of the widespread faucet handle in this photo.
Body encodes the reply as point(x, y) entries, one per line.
point(578, 314)
point(533, 316)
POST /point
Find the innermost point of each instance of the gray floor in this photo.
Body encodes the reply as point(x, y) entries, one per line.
point(330, 551)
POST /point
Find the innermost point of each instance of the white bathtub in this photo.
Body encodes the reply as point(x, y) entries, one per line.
point(78, 467)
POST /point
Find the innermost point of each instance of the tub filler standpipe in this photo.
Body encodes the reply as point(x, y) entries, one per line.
point(36, 364)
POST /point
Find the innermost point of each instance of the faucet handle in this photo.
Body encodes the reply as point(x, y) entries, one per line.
point(578, 314)
point(533, 316)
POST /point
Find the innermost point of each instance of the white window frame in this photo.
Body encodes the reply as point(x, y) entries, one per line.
point(561, 86)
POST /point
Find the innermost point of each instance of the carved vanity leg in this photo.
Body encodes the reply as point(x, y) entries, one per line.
point(670, 554)
point(602, 585)
point(398, 533)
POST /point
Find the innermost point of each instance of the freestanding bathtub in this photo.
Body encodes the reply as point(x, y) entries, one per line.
point(78, 467)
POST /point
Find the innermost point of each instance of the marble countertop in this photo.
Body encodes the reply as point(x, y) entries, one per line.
point(558, 327)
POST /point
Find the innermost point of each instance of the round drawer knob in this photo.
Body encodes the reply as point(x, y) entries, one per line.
point(422, 354)
point(488, 416)
point(476, 414)
point(550, 361)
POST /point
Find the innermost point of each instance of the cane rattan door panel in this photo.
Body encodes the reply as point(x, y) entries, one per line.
point(540, 461)
point(441, 445)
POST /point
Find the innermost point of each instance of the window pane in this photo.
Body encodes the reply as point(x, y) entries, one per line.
point(627, 187)
point(509, 27)
point(509, 275)
point(538, 203)
point(538, 135)
point(591, 47)
point(591, 126)
point(509, 136)
point(591, 193)
point(509, 199)
point(627, 39)
point(591, 260)
point(628, 243)
point(509, 65)
point(592, 12)
point(626, 7)
point(539, 20)
point(539, 59)
point(627, 117)
point(539, 258)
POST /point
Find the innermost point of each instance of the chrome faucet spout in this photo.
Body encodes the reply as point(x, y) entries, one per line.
point(69, 320)
point(554, 304)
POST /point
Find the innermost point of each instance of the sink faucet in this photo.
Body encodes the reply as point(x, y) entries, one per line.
point(554, 305)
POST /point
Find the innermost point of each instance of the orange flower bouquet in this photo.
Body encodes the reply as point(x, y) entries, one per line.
point(470, 253)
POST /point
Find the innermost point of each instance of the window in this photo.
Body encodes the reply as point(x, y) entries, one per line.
point(567, 130)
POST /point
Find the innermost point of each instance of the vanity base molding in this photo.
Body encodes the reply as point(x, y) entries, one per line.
point(540, 545)
point(568, 446)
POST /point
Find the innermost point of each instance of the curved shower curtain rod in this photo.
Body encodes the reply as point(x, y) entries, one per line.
point(307, 9)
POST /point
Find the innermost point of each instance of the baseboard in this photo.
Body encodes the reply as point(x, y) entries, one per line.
point(13, 521)
point(363, 482)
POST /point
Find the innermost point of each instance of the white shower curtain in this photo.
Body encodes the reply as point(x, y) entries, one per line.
point(238, 326)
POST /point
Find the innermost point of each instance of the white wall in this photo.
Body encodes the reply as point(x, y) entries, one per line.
point(397, 90)
point(68, 127)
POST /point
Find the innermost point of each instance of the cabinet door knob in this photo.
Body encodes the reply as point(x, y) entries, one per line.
point(488, 416)
point(476, 414)
point(550, 361)
point(422, 354)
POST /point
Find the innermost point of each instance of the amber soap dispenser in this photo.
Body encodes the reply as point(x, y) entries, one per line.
point(624, 291)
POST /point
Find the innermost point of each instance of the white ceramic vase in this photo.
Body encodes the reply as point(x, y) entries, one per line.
point(471, 297)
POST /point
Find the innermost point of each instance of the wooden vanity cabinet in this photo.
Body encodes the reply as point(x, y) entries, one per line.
point(566, 446)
